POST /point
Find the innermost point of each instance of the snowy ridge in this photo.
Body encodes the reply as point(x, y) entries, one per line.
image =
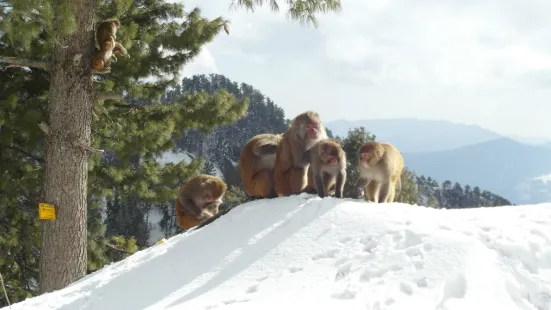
point(304, 252)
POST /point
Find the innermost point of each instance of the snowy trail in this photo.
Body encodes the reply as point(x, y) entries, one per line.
point(303, 251)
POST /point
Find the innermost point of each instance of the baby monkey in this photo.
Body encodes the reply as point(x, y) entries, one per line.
point(328, 164)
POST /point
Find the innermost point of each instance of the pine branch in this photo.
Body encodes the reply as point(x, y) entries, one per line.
point(22, 62)
point(86, 147)
point(108, 96)
point(111, 246)
point(14, 62)
point(22, 151)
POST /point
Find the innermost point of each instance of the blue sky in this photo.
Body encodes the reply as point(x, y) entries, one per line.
point(469, 61)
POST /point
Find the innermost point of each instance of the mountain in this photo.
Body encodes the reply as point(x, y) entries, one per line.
point(503, 166)
point(304, 252)
point(415, 135)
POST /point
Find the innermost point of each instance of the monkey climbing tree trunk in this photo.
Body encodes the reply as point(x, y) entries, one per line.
point(63, 258)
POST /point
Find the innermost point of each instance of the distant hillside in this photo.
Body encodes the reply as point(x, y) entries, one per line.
point(414, 135)
point(503, 166)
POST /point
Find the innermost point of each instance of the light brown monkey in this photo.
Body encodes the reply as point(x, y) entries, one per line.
point(381, 166)
point(199, 199)
point(292, 158)
point(256, 165)
point(106, 36)
point(328, 165)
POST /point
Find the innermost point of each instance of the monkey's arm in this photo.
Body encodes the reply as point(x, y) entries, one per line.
point(190, 206)
point(339, 186)
point(319, 183)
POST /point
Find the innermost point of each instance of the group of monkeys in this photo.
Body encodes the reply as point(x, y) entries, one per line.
point(303, 159)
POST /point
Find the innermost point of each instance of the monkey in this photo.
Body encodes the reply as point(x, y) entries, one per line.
point(256, 165)
point(199, 199)
point(106, 36)
point(381, 166)
point(292, 163)
point(328, 165)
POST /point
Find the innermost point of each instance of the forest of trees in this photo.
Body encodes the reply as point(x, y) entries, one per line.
point(89, 144)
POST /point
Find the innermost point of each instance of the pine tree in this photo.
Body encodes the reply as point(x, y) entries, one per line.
point(55, 41)
point(351, 146)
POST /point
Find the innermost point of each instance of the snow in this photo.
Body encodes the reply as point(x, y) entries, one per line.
point(303, 252)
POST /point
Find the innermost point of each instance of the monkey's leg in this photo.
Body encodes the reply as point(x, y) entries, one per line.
point(384, 192)
point(339, 184)
point(263, 185)
point(391, 194)
point(284, 187)
point(310, 186)
point(373, 191)
point(298, 180)
point(320, 184)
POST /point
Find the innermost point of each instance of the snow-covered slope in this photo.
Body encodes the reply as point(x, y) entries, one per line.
point(304, 252)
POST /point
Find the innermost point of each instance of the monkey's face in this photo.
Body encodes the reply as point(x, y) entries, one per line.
point(370, 158)
point(309, 127)
point(329, 155)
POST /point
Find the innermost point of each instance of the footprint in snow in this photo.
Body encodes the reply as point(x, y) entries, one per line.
point(252, 289)
point(262, 278)
point(343, 271)
point(231, 301)
point(347, 293)
point(406, 288)
point(332, 253)
point(295, 269)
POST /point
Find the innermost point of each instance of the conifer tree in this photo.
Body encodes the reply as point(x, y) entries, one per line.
point(81, 114)
point(351, 145)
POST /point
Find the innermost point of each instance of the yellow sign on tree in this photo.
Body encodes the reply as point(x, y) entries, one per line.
point(46, 211)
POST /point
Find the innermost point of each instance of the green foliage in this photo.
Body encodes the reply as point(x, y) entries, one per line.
point(408, 192)
point(224, 144)
point(161, 39)
point(208, 168)
point(302, 10)
point(351, 146)
point(234, 196)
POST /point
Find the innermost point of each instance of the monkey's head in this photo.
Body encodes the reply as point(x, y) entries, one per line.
point(98, 63)
point(330, 152)
point(212, 190)
point(370, 154)
point(308, 128)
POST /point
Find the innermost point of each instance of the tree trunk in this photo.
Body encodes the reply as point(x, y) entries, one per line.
point(63, 258)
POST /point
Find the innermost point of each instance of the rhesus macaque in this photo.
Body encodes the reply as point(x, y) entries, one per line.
point(199, 199)
point(106, 36)
point(328, 165)
point(256, 165)
point(292, 158)
point(381, 166)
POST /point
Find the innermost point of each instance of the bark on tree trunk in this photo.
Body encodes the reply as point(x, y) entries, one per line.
point(63, 258)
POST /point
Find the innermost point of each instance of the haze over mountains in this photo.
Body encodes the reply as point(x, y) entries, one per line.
point(517, 168)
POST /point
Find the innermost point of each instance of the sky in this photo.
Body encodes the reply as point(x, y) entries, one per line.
point(468, 61)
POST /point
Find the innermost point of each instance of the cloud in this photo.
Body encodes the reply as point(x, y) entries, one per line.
point(398, 58)
point(204, 63)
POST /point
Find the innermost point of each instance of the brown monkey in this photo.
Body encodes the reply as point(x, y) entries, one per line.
point(199, 199)
point(106, 36)
point(328, 165)
point(381, 166)
point(256, 165)
point(292, 159)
